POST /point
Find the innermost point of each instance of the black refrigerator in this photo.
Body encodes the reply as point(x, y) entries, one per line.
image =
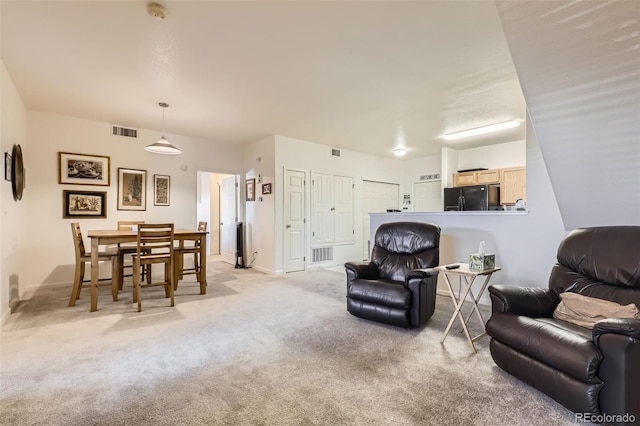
point(474, 197)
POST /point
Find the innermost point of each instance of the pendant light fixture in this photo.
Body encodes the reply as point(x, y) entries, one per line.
point(163, 146)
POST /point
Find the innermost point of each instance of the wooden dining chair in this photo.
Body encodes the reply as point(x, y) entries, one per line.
point(82, 258)
point(125, 249)
point(154, 245)
point(181, 250)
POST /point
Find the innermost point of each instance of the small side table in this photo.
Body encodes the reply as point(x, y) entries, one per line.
point(469, 276)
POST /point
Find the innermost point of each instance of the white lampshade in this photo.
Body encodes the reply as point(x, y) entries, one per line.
point(163, 146)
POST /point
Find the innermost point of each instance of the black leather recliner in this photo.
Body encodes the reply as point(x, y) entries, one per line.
point(397, 287)
point(594, 371)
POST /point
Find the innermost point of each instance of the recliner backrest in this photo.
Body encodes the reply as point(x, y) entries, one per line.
point(400, 247)
point(602, 262)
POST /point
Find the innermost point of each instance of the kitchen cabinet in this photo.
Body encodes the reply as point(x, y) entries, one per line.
point(485, 177)
point(513, 185)
point(479, 177)
point(464, 178)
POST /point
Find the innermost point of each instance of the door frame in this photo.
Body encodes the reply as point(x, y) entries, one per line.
point(306, 243)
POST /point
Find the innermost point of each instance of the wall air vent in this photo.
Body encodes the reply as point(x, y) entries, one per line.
point(123, 131)
point(335, 152)
point(321, 254)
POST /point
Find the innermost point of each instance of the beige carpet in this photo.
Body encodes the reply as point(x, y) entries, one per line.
point(257, 349)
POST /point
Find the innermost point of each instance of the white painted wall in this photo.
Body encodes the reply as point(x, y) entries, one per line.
point(510, 154)
point(525, 244)
point(47, 239)
point(303, 155)
point(412, 170)
point(13, 125)
point(259, 163)
point(449, 165)
point(203, 203)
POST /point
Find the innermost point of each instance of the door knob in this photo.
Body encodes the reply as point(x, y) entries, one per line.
point(288, 226)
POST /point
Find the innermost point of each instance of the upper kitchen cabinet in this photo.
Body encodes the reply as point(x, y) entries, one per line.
point(477, 177)
point(513, 185)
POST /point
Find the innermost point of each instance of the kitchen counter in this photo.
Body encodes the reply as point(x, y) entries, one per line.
point(525, 256)
point(457, 213)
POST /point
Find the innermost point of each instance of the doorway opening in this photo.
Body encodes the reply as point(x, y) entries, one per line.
point(218, 205)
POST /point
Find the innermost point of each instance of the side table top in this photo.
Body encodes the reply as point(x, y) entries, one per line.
point(465, 270)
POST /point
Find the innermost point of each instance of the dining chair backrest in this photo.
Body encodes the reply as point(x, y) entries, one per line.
point(202, 227)
point(155, 237)
point(78, 242)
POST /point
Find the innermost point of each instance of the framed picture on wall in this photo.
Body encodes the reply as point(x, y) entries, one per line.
point(266, 188)
point(84, 204)
point(83, 169)
point(161, 187)
point(251, 189)
point(132, 189)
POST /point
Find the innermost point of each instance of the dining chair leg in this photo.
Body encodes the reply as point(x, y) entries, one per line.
point(115, 277)
point(136, 283)
point(175, 274)
point(180, 261)
point(171, 267)
point(121, 271)
point(77, 284)
point(82, 271)
point(168, 274)
point(196, 265)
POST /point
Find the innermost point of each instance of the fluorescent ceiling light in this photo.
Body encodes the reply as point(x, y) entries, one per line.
point(482, 130)
point(399, 152)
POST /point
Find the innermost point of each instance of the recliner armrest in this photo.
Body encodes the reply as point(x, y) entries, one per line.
point(364, 270)
point(530, 301)
point(624, 326)
point(420, 273)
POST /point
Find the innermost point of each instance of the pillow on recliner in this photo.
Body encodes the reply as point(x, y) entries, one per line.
point(585, 311)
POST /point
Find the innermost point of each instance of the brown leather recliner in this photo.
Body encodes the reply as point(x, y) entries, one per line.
point(593, 371)
point(397, 286)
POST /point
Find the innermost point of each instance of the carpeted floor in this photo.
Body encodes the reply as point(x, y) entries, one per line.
point(257, 349)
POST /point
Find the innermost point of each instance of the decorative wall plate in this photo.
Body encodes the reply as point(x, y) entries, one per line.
point(17, 172)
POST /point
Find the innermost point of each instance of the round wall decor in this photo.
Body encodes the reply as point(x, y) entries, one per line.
point(17, 172)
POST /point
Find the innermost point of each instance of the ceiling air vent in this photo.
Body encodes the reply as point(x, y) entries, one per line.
point(335, 152)
point(123, 131)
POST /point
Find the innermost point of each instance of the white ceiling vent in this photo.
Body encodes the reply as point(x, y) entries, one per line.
point(335, 152)
point(123, 131)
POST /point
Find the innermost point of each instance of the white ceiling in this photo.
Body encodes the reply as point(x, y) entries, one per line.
point(366, 76)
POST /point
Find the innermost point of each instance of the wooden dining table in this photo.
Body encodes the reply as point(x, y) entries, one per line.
point(112, 236)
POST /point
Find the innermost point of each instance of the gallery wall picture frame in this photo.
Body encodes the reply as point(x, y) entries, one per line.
point(7, 166)
point(266, 188)
point(84, 169)
point(84, 204)
point(161, 190)
point(251, 189)
point(132, 189)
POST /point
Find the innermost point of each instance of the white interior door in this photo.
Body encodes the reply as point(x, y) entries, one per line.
point(228, 218)
point(294, 220)
point(377, 197)
point(427, 196)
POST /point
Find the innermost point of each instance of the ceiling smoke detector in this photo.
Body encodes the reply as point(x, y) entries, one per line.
point(156, 10)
